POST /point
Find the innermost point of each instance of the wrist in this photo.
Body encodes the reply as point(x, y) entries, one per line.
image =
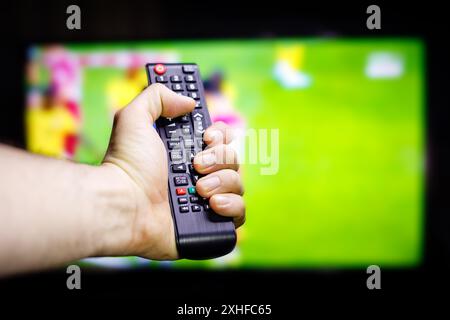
point(113, 199)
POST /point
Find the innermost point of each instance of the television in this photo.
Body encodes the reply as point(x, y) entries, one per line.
point(338, 180)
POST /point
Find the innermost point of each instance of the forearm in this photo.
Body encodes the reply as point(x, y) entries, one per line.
point(54, 211)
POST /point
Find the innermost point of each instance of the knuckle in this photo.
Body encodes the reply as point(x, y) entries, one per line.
point(118, 115)
point(229, 134)
point(222, 125)
point(157, 86)
point(243, 207)
point(155, 91)
point(243, 219)
point(231, 157)
point(234, 179)
point(199, 187)
point(227, 155)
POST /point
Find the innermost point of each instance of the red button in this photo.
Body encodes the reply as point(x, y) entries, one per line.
point(159, 69)
point(181, 191)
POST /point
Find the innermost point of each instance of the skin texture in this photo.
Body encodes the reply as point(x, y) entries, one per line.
point(55, 211)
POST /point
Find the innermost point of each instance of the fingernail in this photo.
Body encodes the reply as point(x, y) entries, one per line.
point(221, 201)
point(210, 183)
point(207, 160)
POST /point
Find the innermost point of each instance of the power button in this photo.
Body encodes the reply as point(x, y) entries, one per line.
point(159, 69)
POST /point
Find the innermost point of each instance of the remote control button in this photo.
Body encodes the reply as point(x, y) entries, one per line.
point(181, 181)
point(177, 87)
point(175, 78)
point(180, 191)
point(200, 143)
point(184, 118)
point(199, 127)
point(183, 94)
point(191, 87)
point(194, 178)
point(194, 174)
point(159, 69)
point(184, 209)
point(171, 132)
point(183, 200)
point(196, 208)
point(194, 95)
point(188, 143)
point(191, 190)
point(176, 155)
point(173, 144)
point(199, 132)
point(198, 104)
point(188, 68)
point(197, 116)
point(179, 168)
point(186, 131)
point(162, 121)
point(189, 78)
point(161, 79)
point(194, 199)
point(191, 158)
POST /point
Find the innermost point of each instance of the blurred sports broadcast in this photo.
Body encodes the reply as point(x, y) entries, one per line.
point(347, 186)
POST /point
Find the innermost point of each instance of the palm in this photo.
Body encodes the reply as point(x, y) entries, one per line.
point(142, 156)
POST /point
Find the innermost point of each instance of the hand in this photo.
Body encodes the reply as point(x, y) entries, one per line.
point(137, 154)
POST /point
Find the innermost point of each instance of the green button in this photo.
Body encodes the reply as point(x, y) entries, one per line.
point(191, 190)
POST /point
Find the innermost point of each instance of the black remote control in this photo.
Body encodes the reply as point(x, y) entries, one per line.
point(200, 233)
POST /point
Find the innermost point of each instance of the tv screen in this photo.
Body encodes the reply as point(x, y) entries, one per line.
point(338, 177)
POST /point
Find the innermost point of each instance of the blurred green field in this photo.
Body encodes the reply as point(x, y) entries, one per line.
point(350, 187)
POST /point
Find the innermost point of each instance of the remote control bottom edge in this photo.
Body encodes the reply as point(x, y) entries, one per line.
point(206, 246)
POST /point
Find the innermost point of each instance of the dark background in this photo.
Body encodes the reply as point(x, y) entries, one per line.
point(27, 22)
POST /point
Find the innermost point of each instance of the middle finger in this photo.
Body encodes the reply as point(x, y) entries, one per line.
point(216, 158)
